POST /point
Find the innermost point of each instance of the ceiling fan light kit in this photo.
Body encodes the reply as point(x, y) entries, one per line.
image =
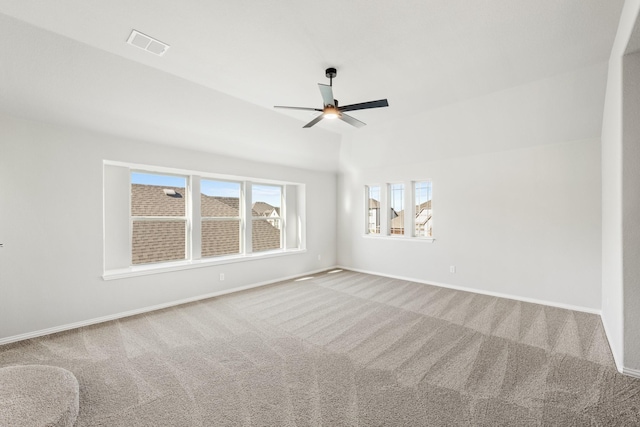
point(331, 110)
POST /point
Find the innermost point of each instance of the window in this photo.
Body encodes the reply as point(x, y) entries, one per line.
point(404, 208)
point(396, 212)
point(158, 218)
point(266, 222)
point(422, 203)
point(162, 219)
point(221, 218)
point(373, 209)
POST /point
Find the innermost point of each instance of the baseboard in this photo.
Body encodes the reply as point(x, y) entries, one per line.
point(631, 372)
point(479, 291)
point(89, 322)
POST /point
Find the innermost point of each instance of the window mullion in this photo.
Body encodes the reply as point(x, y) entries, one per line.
point(247, 216)
point(195, 209)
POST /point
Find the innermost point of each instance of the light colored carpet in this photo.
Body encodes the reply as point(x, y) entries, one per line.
point(37, 396)
point(343, 349)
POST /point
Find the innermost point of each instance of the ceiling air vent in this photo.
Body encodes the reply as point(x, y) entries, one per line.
point(147, 43)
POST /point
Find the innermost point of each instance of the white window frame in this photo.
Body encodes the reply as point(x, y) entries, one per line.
point(367, 209)
point(389, 207)
point(118, 215)
point(385, 210)
point(414, 204)
point(240, 218)
point(283, 227)
point(186, 218)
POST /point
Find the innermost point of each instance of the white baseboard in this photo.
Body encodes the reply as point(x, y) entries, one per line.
point(89, 322)
point(480, 291)
point(631, 372)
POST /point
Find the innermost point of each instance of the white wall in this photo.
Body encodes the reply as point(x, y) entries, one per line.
point(613, 295)
point(51, 225)
point(519, 215)
point(631, 209)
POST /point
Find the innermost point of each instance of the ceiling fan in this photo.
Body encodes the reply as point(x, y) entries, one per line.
point(331, 110)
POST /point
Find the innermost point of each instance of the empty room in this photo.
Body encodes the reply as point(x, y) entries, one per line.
point(339, 213)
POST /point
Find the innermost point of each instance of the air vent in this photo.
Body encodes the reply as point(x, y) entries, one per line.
point(147, 43)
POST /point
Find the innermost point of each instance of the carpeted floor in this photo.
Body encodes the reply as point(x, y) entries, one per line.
point(343, 349)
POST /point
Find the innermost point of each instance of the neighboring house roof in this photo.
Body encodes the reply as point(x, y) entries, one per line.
point(155, 241)
point(151, 200)
point(264, 236)
point(425, 205)
point(211, 206)
point(264, 209)
point(374, 204)
point(423, 215)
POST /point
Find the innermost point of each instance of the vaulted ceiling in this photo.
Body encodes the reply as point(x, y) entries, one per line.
point(230, 62)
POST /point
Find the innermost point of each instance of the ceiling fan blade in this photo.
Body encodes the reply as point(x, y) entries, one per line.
point(314, 121)
point(327, 94)
point(351, 120)
point(364, 105)
point(298, 108)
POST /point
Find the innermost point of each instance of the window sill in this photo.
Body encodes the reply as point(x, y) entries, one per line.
point(165, 267)
point(400, 238)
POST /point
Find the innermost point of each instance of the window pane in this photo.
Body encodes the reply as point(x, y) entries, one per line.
point(266, 200)
point(157, 195)
point(219, 199)
point(373, 209)
point(266, 234)
point(396, 202)
point(155, 241)
point(220, 237)
point(422, 202)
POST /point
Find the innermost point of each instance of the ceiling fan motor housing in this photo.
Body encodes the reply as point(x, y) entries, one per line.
point(331, 73)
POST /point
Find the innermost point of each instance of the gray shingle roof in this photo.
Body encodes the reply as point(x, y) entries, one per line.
point(211, 206)
point(155, 241)
point(150, 200)
point(264, 236)
point(220, 238)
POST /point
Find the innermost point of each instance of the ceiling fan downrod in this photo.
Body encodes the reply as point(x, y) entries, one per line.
point(331, 73)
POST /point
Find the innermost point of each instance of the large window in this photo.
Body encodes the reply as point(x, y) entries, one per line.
point(158, 218)
point(373, 209)
point(396, 212)
point(221, 217)
point(422, 203)
point(162, 219)
point(267, 222)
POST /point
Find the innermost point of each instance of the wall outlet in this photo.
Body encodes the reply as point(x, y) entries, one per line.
point(452, 269)
point(319, 257)
point(221, 276)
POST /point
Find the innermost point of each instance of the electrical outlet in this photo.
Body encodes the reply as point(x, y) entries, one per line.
point(221, 276)
point(319, 257)
point(452, 269)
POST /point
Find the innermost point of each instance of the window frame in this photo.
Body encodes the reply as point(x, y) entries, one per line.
point(389, 207)
point(385, 211)
point(117, 236)
point(282, 228)
point(414, 204)
point(150, 218)
point(367, 210)
point(240, 218)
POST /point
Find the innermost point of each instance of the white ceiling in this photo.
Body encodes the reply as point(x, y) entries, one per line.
point(419, 54)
